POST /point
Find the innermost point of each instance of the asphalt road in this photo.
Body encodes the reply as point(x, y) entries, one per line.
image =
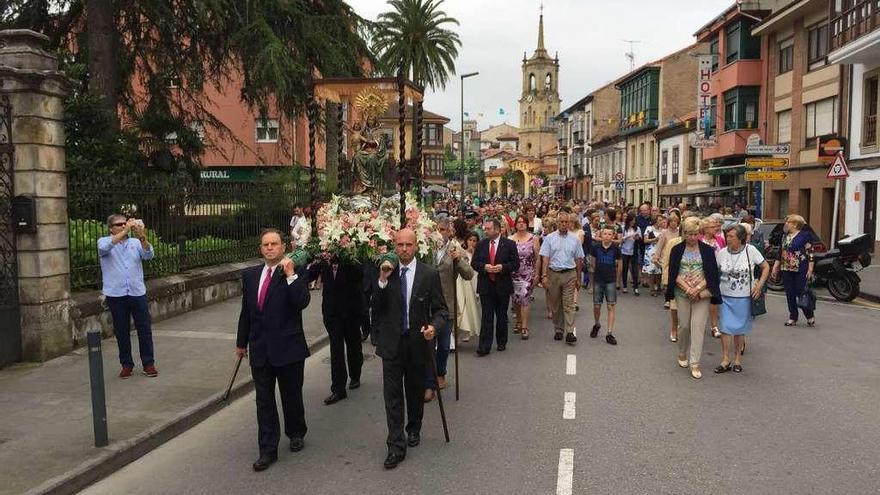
point(802, 418)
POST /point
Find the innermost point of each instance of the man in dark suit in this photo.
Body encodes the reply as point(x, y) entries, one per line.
point(272, 299)
point(408, 308)
point(495, 260)
point(341, 308)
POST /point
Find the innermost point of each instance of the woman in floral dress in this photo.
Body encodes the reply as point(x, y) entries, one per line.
point(649, 266)
point(524, 279)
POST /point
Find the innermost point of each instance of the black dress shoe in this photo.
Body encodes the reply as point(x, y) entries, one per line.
point(482, 353)
point(393, 460)
point(264, 462)
point(413, 439)
point(502, 348)
point(296, 444)
point(334, 398)
point(354, 384)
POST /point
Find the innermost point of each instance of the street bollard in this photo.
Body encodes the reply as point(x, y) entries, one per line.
point(96, 380)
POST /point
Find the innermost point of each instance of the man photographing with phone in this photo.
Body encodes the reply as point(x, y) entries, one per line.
point(121, 255)
point(408, 308)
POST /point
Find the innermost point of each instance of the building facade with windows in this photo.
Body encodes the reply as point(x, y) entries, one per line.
point(606, 156)
point(574, 126)
point(639, 117)
point(681, 175)
point(737, 79)
point(855, 43)
point(804, 102)
point(433, 145)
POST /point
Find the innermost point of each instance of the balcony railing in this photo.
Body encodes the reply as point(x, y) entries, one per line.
point(870, 131)
point(853, 23)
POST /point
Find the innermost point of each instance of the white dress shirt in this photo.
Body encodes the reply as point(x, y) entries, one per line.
point(266, 270)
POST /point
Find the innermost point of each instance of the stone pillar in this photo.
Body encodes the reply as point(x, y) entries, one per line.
point(29, 75)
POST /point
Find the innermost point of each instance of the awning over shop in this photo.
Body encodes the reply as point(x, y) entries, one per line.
point(727, 170)
point(704, 191)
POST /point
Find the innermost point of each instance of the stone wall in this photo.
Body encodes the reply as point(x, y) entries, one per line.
point(169, 296)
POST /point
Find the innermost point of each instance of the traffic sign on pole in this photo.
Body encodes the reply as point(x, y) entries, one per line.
point(752, 175)
point(765, 162)
point(838, 169)
point(768, 149)
point(618, 176)
point(619, 185)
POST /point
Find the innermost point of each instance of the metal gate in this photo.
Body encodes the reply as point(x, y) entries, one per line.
point(10, 320)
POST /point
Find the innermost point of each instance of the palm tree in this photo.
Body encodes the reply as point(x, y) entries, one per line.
point(412, 38)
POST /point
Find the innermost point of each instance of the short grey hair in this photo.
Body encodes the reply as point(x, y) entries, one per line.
point(443, 220)
point(112, 218)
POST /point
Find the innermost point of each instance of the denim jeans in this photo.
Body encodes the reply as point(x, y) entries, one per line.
point(122, 310)
point(443, 338)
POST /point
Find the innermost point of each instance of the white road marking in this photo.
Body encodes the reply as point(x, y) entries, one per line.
point(565, 474)
point(571, 365)
point(568, 411)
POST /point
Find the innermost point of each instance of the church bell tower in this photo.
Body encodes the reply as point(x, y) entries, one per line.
point(539, 101)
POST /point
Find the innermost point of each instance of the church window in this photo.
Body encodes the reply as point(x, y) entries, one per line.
point(532, 86)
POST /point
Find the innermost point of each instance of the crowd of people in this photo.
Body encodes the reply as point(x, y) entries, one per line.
point(710, 268)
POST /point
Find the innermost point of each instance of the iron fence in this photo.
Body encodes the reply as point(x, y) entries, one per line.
point(190, 224)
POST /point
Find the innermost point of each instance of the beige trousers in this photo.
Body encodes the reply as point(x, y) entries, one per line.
point(561, 299)
point(692, 318)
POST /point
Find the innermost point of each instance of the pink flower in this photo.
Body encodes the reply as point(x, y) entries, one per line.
point(344, 241)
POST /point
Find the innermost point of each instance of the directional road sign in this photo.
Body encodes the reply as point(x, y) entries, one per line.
point(768, 149)
point(619, 185)
point(766, 162)
point(752, 175)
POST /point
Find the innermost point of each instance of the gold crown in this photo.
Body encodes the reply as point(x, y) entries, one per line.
point(371, 103)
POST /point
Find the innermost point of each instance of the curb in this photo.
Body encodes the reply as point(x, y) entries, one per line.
point(119, 454)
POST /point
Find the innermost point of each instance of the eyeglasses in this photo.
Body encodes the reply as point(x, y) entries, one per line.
point(120, 224)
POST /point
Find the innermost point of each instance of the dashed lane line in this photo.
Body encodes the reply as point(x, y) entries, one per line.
point(571, 365)
point(568, 411)
point(565, 473)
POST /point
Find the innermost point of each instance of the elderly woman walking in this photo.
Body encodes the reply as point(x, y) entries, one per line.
point(796, 262)
point(737, 263)
point(694, 284)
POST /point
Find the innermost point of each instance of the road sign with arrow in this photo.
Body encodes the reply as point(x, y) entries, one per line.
point(752, 175)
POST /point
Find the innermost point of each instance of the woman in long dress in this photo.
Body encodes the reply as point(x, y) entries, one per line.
point(524, 279)
point(465, 290)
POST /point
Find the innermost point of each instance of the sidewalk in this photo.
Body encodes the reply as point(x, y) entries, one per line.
point(46, 436)
point(870, 286)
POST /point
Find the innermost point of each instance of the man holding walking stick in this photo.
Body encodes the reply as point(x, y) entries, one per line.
point(450, 264)
point(408, 308)
point(273, 297)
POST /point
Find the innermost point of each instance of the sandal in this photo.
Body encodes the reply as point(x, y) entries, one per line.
point(811, 322)
point(737, 368)
point(791, 323)
point(716, 333)
point(524, 334)
point(721, 368)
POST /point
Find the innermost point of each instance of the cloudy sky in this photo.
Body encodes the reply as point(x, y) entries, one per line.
point(587, 34)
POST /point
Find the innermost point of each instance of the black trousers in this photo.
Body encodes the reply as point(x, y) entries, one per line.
point(290, 382)
point(345, 346)
point(631, 266)
point(494, 307)
point(403, 382)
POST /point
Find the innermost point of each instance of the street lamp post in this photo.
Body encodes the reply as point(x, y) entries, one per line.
point(461, 143)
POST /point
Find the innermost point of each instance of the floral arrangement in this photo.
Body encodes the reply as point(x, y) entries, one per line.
point(353, 231)
point(537, 182)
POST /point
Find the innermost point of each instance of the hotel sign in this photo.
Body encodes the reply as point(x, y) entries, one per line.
point(704, 90)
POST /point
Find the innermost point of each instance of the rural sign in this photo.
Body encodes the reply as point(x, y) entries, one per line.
point(699, 141)
point(766, 175)
point(768, 149)
point(766, 162)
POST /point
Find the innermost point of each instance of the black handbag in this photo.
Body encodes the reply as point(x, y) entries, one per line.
point(759, 305)
point(807, 299)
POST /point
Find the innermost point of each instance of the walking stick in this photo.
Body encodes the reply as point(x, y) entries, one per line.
point(433, 360)
point(455, 328)
point(232, 380)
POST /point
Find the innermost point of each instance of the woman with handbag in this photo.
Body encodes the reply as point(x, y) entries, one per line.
point(796, 262)
point(740, 293)
point(694, 284)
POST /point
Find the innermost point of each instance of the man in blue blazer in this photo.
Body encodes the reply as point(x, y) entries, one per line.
point(272, 299)
point(495, 260)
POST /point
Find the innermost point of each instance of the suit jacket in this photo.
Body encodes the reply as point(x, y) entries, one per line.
point(710, 270)
point(275, 334)
point(449, 269)
point(342, 295)
point(426, 306)
point(506, 256)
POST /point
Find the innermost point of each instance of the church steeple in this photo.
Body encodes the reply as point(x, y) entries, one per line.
point(541, 33)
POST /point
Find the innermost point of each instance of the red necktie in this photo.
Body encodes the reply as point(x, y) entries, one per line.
point(492, 258)
point(261, 298)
